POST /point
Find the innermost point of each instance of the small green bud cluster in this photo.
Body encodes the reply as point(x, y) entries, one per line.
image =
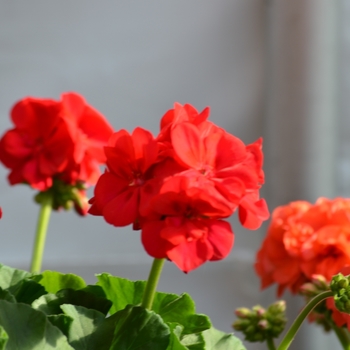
point(340, 286)
point(259, 324)
point(317, 285)
point(65, 196)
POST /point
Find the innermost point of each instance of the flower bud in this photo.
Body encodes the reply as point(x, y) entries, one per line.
point(242, 312)
point(320, 282)
point(341, 290)
point(277, 307)
point(259, 324)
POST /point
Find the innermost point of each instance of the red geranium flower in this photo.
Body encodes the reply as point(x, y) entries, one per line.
point(118, 192)
point(179, 186)
point(56, 146)
point(39, 147)
point(186, 229)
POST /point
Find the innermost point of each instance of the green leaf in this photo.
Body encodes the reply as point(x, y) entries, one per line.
point(193, 341)
point(180, 309)
point(54, 281)
point(83, 298)
point(29, 329)
point(10, 278)
point(3, 338)
point(121, 291)
point(171, 307)
point(29, 291)
point(47, 304)
point(50, 304)
point(95, 290)
point(62, 322)
point(217, 340)
point(84, 324)
point(6, 295)
point(138, 328)
point(174, 343)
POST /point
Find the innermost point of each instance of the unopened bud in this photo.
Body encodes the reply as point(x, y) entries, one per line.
point(263, 324)
point(320, 282)
point(341, 291)
point(243, 312)
point(277, 307)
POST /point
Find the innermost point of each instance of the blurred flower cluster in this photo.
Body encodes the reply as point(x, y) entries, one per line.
point(56, 146)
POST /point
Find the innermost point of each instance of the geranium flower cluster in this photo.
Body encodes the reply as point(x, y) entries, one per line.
point(304, 240)
point(55, 144)
point(179, 186)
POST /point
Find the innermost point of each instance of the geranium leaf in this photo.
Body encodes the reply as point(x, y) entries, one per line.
point(47, 304)
point(3, 338)
point(29, 291)
point(85, 322)
point(217, 340)
point(194, 341)
point(62, 322)
point(95, 290)
point(121, 291)
point(29, 329)
point(6, 295)
point(174, 343)
point(83, 298)
point(50, 304)
point(10, 279)
point(54, 281)
point(171, 307)
point(138, 328)
point(181, 309)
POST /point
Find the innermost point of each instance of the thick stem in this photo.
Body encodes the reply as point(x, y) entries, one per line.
point(288, 338)
point(270, 344)
point(342, 335)
point(152, 282)
point(40, 237)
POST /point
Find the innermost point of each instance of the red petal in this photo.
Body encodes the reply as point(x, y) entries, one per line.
point(122, 210)
point(221, 237)
point(253, 213)
point(190, 255)
point(152, 241)
point(188, 145)
point(145, 148)
point(107, 188)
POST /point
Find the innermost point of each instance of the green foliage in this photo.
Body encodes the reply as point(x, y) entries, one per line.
point(54, 281)
point(52, 310)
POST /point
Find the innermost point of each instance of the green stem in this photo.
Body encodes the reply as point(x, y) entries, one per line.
point(41, 229)
point(270, 344)
point(288, 338)
point(151, 285)
point(342, 335)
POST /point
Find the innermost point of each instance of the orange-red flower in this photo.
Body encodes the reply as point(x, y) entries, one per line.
point(305, 239)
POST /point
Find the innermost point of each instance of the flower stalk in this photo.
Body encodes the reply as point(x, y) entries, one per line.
point(40, 236)
point(342, 335)
point(152, 282)
point(288, 338)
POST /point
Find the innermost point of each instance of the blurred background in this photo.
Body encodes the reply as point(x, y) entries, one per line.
point(272, 68)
